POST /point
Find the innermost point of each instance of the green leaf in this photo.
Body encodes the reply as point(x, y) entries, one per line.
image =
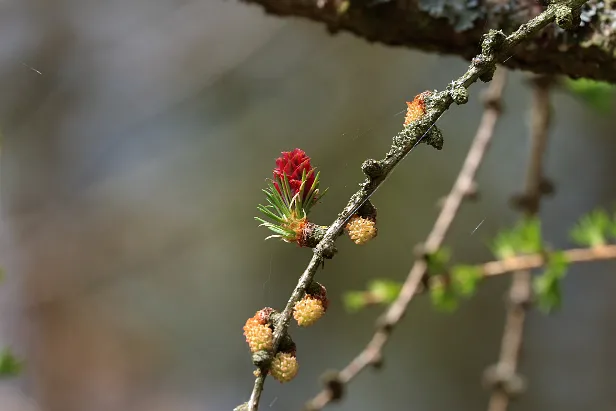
point(385, 291)
point(380, 291)
point(557, 265)
point(9, 364)
point(442, 295)
point(275, 228)
point(548, 293)
point(529, 232)
point(547, 286)
point(276, 200)
point(269, 213)
point(437, 261)
point(354, 301)
point(322, 193)
point(465, 279)
point(523, 238)
point(503, 245)
point(592, 229)
point(596, 94)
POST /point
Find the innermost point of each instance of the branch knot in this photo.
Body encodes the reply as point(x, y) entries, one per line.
point(485, 65)
point(566, 17)
point(326, 249)
point(334, 384)
point(458, 93)
point(373, 169)
point(500, 377)
point(262, 359)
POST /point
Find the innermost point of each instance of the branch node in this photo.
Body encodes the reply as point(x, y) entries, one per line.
point(420, 252)
point(458, 93)
point(565, 17)
point(501, 378)
point(485, 65)
point(524, 203)
point(481, 62)
point(472, 193)
point(384, 324)
point(326, 249)
point(377, 360)
point(373, 169)
point(273, 318)
point(487, 75)
point(367, 210)
point(414, 133)
point(333, 383)
point(287, 345)
point(311, 235)
point(435, 138)
point(522, 300)
point(262, 359)
point(546, 187)
point(492, 42)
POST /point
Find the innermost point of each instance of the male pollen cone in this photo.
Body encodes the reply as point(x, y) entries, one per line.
point(284, 367)
point(416, 108)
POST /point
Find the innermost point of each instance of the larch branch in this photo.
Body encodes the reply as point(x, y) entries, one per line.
point(371, 354)
point(458, 28)
point(503, 376)
point(496, 47)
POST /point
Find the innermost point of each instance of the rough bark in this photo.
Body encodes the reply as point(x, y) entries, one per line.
point(456, 27)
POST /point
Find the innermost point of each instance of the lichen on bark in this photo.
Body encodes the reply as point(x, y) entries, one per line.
point(445, 26)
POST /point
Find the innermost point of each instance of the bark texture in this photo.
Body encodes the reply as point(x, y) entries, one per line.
point(456, 27)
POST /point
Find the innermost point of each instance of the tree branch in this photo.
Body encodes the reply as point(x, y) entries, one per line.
point(496, 47)
point(525, 262)
point(503, 377)
point(529, 262)
point(456, 27)
point(462, 187)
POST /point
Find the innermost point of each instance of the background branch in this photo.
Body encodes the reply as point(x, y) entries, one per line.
point(457, 29)
point(503, 377)
point(464, 184)
point(528, 262)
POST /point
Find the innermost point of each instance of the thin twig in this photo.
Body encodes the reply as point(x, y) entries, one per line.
point(501, 376)
point(524, 262)
point(495, 48)
point(464, 184)
point(528, 262)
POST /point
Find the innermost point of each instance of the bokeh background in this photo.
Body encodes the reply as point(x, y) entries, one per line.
point(137, 136)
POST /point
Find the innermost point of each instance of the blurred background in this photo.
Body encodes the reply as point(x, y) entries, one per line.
point(137, 136)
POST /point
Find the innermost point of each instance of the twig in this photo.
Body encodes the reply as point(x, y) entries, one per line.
point(464, 183)
point(503, 378)
point(496, 47)
point(528, 262)
point(523, 262)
